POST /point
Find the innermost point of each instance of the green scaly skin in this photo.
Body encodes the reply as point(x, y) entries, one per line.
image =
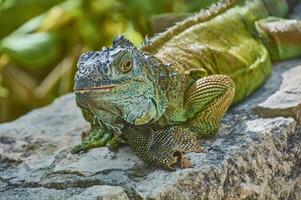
point(161, 97)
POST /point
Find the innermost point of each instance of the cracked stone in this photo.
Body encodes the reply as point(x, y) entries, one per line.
point(123, 159)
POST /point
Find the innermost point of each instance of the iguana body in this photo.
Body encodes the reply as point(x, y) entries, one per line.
point(179, 85)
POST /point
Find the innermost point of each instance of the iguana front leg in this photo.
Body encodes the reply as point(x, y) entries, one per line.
point(97, 136)
point(206, 101)
point(164, 147)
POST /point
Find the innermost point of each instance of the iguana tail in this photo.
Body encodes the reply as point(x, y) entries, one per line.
point(281, 37)
point(279, 8)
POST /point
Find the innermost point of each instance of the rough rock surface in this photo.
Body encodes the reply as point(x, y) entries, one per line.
point(287, 100)
point(250, 158)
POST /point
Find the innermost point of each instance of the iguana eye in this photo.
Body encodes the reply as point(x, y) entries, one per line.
point(126, 66)
point(123, 62)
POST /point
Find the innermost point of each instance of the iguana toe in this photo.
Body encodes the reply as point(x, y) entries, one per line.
point(77, 149)
point(95, 139)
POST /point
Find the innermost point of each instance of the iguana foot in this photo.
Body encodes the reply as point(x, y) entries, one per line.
point(96, 138)
point(164, 147)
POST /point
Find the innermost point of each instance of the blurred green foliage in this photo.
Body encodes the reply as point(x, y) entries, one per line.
point(40, 42)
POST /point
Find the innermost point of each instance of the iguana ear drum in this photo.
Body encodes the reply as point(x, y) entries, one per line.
point(121, 41)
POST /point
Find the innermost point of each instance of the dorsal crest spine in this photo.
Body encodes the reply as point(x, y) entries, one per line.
point(121, 41)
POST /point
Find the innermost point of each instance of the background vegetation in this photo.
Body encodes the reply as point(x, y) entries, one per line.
point(40, 42)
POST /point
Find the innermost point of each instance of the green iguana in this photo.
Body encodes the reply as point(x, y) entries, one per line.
point(161, 97)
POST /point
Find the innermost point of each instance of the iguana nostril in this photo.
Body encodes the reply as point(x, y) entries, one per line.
point(82, 83)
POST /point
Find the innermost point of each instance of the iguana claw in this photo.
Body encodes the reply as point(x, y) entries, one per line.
point(77, 149)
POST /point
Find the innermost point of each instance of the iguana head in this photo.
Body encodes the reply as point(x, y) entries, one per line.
point(121, 80)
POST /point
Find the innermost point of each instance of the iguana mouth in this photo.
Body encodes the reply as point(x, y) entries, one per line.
point(104, 88)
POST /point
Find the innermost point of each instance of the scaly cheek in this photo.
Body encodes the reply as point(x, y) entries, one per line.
point(148, 115)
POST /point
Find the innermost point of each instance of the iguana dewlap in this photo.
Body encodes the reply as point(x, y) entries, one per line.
point(162, 96)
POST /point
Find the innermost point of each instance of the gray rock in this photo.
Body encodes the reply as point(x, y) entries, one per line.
point(123, 160)
point(37, 193)
point(255, 165)
point(103, 192)
point(287, 100)
point(250, 158)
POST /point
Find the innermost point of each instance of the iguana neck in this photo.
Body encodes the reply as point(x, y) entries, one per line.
point(172, 81)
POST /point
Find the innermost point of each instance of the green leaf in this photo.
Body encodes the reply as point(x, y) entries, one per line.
point(32, 50)
point(31, 25)
point(3, 91)
point(13, 13)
